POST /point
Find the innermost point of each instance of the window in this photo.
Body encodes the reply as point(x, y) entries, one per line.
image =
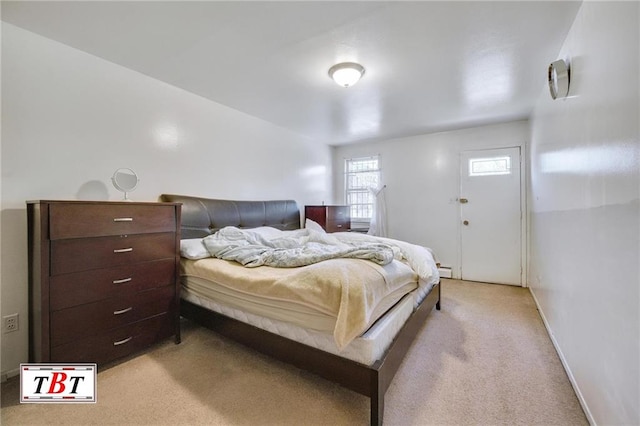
point(489, 166)
point(360, 175)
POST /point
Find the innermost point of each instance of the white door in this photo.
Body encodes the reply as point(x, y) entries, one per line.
point(490, 216)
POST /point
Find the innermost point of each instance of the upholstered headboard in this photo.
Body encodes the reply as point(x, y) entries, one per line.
point(204, 216)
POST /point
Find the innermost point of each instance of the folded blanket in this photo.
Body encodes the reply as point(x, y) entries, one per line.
point(290, 249)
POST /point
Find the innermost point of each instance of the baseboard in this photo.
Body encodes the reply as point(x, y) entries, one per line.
point(563, 360)
point(444, 271)
point(6, 375)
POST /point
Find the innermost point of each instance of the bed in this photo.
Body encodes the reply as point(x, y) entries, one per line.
point(361, 354)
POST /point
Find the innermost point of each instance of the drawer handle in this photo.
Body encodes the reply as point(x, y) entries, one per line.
point(123, 311)
point(122, 281)
point(339, 226)
point(123, 219)
point(124, 250)
point(123, 341)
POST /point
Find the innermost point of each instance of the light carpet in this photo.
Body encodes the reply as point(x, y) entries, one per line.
point(484, 359)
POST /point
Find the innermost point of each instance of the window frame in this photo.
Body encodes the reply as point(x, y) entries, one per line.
point(363, 191)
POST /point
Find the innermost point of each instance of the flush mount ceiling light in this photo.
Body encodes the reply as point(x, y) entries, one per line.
point(346, 74)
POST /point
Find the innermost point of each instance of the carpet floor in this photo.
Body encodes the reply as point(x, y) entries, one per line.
point(484, 359)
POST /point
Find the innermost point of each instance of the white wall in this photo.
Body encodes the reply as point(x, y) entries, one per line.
point(70, 119)
point(422, 174)
point(584, 198)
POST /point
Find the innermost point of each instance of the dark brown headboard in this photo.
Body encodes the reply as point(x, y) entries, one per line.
point(204, 216)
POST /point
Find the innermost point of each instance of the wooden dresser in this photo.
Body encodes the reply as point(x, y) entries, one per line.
point(103, 278)
point(331, 218)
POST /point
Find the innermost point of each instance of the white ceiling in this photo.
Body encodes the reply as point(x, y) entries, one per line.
point(430, 66)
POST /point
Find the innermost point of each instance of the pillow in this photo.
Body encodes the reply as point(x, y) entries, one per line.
point(310, 224)
point(193, 249)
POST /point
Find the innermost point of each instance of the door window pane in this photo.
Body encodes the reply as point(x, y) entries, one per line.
point(489, 166)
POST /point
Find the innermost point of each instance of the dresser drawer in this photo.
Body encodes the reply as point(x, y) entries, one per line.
point(79, 220)
point(340, 213)
point(81, 321)
point(78, 288)
point(116, 343)
point(338, 226)
point(94, 253)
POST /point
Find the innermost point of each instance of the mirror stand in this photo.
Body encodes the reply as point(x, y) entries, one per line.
point(125, 180)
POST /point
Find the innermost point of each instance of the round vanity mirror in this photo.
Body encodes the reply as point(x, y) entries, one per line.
point(125, 180)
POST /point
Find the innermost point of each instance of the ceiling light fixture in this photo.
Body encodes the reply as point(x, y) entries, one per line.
point(346, 74)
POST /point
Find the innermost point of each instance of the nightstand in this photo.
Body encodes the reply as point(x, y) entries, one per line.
point(331, 218)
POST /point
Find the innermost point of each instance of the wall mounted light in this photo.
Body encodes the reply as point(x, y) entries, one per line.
point(559, 77)
point(346, 74)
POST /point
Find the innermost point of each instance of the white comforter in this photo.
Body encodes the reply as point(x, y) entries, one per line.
point(291, 248)
point(237, 242)
point(420, 259)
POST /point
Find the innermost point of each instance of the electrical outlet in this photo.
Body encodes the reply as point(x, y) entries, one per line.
point(10, 323)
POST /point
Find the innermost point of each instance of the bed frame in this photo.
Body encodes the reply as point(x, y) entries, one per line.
point(203, 216)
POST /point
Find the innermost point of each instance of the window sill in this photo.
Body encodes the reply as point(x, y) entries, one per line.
point(360, 230)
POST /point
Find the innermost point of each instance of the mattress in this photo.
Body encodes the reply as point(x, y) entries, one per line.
point(365, 349)
point(341, 296)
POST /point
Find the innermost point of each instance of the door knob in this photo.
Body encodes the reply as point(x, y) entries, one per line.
point(463, 201)
point(466, 222)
